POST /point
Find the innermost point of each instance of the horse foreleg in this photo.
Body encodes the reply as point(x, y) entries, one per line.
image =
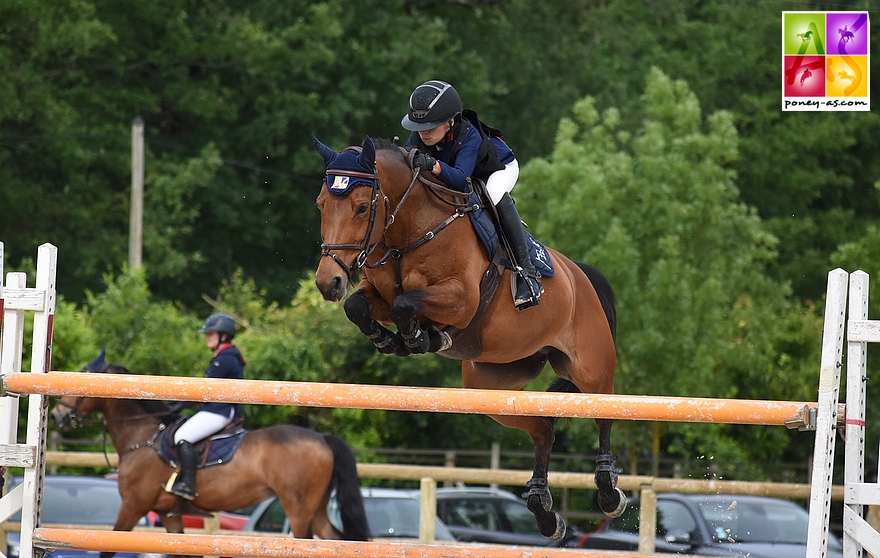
point(357, 309)
point(612, 500)
point(418, 340)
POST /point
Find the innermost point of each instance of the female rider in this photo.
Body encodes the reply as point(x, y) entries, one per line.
point(454, 149)
point(227, 362)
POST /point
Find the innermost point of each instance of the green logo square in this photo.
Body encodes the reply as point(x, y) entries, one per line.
point(803, 33)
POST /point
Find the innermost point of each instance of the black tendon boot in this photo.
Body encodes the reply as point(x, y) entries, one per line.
point(528, 286)
point(185, 483)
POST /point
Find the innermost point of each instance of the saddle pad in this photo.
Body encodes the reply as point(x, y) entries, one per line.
point(221, 448)
point(488, 236)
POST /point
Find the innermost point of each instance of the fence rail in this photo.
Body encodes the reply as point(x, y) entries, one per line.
point(792, 414)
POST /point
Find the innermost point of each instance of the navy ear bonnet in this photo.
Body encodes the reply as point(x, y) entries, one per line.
point(97, 365)
point(348, 160)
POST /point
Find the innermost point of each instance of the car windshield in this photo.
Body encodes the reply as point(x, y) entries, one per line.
point(80, 504)
point(393, 517)
point(759, 521)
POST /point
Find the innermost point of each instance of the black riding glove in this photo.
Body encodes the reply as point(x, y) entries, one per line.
point(423, 161)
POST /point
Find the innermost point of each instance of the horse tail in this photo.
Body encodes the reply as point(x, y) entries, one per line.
point(348, 491)
point(606, 295)
point(609, 305)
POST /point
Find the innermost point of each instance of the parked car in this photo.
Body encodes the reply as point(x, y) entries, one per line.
point(493, 516)
point(75, 500)
point(715, 525)
point(391, 514)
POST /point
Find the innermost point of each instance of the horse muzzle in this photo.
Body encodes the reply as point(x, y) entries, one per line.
point(64, 421)
point(332, 283)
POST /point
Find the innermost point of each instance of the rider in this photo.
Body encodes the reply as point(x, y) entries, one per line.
point(227, 362)
point(453, 148)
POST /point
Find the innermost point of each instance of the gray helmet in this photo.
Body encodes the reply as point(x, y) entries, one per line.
point(430, 105)
point(221, 323)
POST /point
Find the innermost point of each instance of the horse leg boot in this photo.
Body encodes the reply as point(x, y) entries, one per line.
point(185, 483)
point(528, 287)
point(357, 309)
point(612, 500)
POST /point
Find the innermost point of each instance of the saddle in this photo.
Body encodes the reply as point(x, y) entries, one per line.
point(467, 343)
point(216, 449)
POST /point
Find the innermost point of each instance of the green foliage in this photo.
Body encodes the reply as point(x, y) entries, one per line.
point(143, 335)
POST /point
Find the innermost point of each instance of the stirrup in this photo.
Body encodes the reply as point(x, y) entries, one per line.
point(180, 488)
point(534, 296)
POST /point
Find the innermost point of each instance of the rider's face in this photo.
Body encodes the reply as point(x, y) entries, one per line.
point(434, 135)
point(212, 338)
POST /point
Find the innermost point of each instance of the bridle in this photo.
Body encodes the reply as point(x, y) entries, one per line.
point(455, 198)
point(364, 247)
point(76, 420)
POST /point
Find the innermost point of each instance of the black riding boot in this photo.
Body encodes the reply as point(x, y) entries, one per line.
point(185, 483)
point(528, 286)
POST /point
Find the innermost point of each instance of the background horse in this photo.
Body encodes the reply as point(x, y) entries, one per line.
point(422, 267)
point(298, 465)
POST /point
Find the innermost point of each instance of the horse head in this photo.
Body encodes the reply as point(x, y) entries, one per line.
point(353, 210)
point(70, 410)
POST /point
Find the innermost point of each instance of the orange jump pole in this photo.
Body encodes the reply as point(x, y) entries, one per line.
point(232, 545)
point(395, 398)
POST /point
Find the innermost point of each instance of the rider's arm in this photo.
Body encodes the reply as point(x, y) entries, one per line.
point(465, 162)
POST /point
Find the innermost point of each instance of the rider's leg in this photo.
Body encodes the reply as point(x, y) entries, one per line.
point(201, 425)
point(498, 186)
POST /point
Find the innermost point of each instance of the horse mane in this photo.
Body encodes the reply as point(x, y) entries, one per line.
point(147, 406)
point(383, 144)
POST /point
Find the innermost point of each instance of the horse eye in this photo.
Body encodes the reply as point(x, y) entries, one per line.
point(362, 208)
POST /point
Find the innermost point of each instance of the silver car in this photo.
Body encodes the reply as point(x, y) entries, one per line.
point(391, 514)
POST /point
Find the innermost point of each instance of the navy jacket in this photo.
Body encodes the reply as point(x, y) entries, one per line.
point(225, 364)
point(456, 168)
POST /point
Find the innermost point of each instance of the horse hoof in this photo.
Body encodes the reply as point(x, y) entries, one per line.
point(551, 525)
point(560, 528)
point(613, 510)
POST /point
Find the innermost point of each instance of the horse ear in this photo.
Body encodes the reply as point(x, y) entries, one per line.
point(367, 157)
point(95, 365)
point(326, 153)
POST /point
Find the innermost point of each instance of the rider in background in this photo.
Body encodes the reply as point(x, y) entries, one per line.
point(227, 362)
point(453, 149)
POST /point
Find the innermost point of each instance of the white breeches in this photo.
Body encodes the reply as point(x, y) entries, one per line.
point(201, 425)
point(502, 181)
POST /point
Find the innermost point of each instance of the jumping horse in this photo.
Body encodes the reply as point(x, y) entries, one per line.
point(422, 267)
point(299, 466)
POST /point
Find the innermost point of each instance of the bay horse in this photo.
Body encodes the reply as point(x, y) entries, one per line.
point(302, 467)
point(422, 269)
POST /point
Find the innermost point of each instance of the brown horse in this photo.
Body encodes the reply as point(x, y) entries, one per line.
point(423, 266)
point(300, 466)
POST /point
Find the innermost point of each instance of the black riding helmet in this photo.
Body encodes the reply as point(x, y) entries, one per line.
point(430, 105)
point(221, 323)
